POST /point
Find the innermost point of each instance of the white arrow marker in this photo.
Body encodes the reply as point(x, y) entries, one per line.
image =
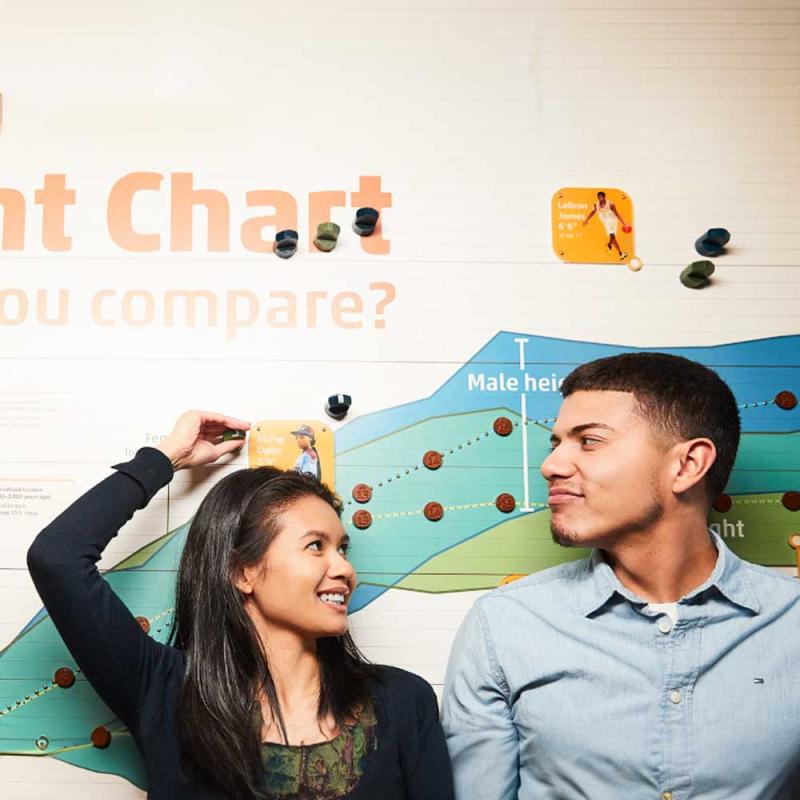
point(521, 343)
point(526, 507)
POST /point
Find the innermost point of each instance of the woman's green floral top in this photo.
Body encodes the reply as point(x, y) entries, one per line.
point(323, 771)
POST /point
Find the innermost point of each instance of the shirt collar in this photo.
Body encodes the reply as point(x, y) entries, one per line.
point(599, 583)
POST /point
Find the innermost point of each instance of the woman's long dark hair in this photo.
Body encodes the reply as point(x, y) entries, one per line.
point(226, 666)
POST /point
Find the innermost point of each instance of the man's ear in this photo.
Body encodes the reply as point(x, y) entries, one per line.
point(694, 460)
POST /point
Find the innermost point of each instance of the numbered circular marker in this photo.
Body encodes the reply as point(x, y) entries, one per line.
point(432, 459)
point(362, 493)
point(503, 426)
point(723, 503)
point(505, 502)
point(144, 624)
point(433, 511)
point(64, 677)
point(786, 400)
point(101, 737)
point(362, 519)
point(791, 500)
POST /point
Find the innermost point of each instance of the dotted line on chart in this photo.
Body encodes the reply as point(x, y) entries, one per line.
point(478, 437)
point(786, 400)
point(29, 698)
point(486, 505)
point(757, 502)
point(166, 612)
point(39, 693)
point(757, 404)
point(462, 507)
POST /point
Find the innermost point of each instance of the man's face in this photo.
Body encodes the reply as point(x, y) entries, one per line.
point(606, 473)
point(303, 441)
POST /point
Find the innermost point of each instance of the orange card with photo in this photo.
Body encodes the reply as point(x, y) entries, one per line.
point(299, 444)
point(594, 226)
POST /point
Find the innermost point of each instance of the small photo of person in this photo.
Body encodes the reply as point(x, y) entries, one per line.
point(608, 215)
point(308, 460)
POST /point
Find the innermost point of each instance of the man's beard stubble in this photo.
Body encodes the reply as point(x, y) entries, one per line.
point(571, 537)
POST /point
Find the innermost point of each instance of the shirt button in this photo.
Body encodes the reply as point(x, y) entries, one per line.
point(666, 795)
point(675, 697)
point(664, 625)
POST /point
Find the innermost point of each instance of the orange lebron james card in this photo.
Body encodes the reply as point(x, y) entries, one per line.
point(594, 226)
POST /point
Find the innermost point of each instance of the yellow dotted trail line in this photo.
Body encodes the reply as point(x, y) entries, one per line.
point(71, 748)
point(462, 507)
point(451, 451)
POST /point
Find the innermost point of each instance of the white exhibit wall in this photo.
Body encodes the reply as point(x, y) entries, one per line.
point(472, 115)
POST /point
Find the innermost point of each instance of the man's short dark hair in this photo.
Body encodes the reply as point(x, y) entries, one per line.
point(681, 400)
point(601, 193)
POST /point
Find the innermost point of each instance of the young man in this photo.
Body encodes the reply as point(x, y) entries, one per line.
point(661, 667)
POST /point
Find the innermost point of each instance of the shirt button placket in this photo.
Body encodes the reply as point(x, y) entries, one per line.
point(665, 626)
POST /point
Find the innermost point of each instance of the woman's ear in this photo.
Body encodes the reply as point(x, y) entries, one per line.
point(242, 579)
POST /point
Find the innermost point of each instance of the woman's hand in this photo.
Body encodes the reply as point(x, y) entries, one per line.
point(196, 439)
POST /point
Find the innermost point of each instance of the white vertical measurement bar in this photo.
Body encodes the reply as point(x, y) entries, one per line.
point(523, 402)
point(521, 342)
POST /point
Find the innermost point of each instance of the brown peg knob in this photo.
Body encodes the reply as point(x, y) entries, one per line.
point(505, 502)
point(433, 511)
point(362, 519)
point(432, 459)
point(101, 737)
point(502, 426)
point(64, 677)
point(362, 493)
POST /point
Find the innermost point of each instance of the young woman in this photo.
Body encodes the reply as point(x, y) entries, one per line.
point(261, 692)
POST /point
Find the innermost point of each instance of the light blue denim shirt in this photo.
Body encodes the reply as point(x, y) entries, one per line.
point(565, 685)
